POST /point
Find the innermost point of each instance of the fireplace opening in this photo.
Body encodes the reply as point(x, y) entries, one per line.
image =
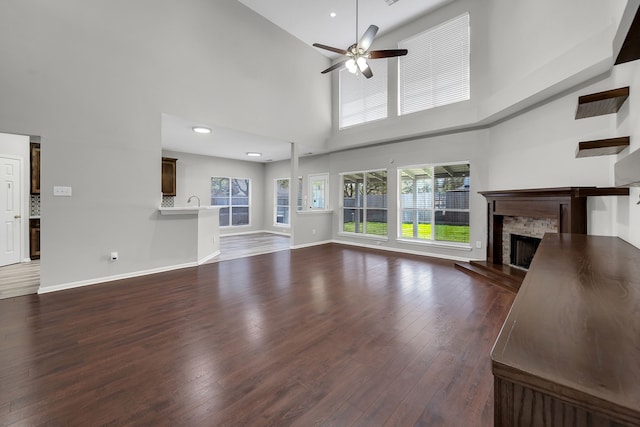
point(523, 248)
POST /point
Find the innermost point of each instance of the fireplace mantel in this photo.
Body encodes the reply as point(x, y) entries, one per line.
point(567, 205)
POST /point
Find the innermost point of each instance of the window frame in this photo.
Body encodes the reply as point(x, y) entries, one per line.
point(380, 69)
point(230, 206)
point(434, 81)
point(276, 204)
point(317, 177)
point(365, 206)
point(433, 207)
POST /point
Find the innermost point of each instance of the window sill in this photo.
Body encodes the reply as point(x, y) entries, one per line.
point(364, 236)
point(315, 211)
point(445, 245)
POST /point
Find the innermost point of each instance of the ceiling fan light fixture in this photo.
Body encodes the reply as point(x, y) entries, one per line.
point(351, 65)
point(362, 63)
point(358, 53)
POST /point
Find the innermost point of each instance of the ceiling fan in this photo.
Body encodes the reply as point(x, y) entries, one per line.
point(358, 53)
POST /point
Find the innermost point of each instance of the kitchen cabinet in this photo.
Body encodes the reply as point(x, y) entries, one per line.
point(34, 238)
point(169, 176)
point(35, 168)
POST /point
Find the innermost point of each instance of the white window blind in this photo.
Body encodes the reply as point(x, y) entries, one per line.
point(436, 70)
point(363, 100)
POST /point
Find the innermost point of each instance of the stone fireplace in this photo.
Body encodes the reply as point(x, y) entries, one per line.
point(518, 219)
point(522, 230)
point(534, 212)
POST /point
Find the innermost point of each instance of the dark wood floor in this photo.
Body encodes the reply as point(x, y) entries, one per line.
point(329, 335)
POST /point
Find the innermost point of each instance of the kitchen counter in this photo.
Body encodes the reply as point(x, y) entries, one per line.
point(187, 210)
point(205, 220)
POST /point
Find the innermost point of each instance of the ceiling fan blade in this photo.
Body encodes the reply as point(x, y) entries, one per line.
point(367, 37)
point(367, 72)
point(329, 48)
point(335, 66)
point(389, 53)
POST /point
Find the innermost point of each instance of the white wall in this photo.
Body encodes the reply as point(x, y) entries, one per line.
point(17, 146)
point(193, 177)
point(92, 79)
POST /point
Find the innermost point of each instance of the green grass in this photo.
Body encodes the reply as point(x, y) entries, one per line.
point(375, 228)
point(446, 233)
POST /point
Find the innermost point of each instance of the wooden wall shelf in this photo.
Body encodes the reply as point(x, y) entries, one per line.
point(602, 147)
point(598, 104)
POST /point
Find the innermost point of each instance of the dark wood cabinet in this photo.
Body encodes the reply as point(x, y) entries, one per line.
point(34, 239)
point(35, 168)
point(567, 354)
point(168, 176)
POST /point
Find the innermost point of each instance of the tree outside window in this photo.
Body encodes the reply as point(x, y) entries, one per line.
point(232, 196)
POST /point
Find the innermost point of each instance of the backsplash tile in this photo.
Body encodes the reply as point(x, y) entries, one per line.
point(34, 205)
point(167, 201)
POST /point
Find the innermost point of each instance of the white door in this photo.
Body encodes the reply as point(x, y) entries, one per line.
point(10, 211)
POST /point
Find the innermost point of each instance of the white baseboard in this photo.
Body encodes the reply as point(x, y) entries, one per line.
point(404, 251)
point(245, 233)
point(208, 257)
point(99, 280)
point(307, 245)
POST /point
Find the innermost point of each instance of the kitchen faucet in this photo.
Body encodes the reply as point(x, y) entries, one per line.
point(191, 197)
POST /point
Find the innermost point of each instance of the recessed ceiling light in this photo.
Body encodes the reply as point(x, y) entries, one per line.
point(332, 14)
point(253, 154)
point(201, 129)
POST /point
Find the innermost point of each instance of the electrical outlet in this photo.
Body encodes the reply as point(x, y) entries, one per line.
point(62, 191)
point(478, 244)
point(114, 256)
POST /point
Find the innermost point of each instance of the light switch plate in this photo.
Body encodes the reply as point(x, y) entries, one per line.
point(62, 191)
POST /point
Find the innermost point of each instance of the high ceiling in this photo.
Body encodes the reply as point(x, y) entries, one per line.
point(309, 21)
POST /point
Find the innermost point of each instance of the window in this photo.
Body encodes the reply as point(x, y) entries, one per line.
point(364, 203)
point(282, 202)
point(363, 100)
point(319, 191)
point(436, 70)
point(232, 195)
point(434, 203)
